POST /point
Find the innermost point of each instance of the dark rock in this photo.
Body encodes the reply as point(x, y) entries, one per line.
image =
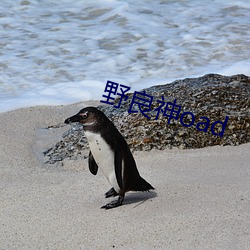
point(212, 96)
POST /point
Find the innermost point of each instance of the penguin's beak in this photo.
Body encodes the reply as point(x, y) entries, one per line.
point(74, 118)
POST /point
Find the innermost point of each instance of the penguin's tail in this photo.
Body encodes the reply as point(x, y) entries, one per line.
point(141, 185)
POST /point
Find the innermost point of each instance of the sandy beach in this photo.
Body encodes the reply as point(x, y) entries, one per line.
point(201, 198)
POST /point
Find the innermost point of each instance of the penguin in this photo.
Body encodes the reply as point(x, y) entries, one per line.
point(110, 152)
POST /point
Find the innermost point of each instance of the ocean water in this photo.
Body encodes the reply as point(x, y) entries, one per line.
point(61, 52)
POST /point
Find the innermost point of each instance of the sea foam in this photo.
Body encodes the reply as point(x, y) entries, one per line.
point(62, 52)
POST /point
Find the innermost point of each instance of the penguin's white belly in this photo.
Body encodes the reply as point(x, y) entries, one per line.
point(104, 157)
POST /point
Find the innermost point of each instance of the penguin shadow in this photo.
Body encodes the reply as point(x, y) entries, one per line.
point(138, 198)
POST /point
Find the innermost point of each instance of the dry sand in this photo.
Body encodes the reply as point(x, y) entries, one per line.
point(201, 201)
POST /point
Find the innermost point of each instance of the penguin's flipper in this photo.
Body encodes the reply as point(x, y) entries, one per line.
point(93, 167)
point(111, 193)
point(118, 166)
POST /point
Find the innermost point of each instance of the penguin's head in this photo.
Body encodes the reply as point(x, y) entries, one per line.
point(88, 117)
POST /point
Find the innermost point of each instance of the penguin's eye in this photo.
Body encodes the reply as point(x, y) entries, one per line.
point(84, 115)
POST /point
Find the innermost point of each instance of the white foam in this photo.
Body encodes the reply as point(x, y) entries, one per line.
point(61, 52)
point(242, 67)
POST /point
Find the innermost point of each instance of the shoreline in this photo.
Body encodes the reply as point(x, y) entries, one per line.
point(201, 198)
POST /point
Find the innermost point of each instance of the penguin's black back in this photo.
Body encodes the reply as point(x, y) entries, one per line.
point(132, 181)
point(131, 178)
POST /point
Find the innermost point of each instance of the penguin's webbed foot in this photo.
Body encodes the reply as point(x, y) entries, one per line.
point(113, 204)
point(111, 193)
